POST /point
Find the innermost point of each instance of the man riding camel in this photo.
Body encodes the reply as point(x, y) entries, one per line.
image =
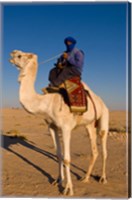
point(69, 64)
point(66, 75)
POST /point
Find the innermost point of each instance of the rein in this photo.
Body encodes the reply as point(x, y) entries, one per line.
point(48, 60)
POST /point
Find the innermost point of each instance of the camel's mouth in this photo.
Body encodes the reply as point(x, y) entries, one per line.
point(12, 60)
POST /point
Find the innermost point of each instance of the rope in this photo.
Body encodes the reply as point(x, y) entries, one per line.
point(43, 62)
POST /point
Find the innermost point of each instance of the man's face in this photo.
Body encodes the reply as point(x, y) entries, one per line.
point(68, 42)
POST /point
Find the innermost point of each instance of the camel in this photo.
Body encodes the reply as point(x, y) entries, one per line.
point(59, 117)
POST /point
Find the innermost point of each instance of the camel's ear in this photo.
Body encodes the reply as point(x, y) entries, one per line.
point(30, 56)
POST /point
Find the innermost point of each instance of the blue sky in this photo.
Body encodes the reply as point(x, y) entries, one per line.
point(100, 31)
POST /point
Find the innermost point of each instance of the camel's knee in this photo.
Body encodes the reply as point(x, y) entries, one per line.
point(95, 153)
point(102, 133)
point(66, 162)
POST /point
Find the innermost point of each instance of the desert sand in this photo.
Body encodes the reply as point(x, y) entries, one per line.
point(29, 163)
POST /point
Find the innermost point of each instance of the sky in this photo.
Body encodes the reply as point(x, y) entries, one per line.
point(40, 28)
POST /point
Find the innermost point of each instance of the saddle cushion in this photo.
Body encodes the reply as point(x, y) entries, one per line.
point(76, 95)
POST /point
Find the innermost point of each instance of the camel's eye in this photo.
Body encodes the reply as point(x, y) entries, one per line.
point(19, 56)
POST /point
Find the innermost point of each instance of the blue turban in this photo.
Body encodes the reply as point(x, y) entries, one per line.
point(71, 39)
point(71, 46)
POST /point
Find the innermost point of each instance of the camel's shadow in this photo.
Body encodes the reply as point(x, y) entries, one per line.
point(8, 141)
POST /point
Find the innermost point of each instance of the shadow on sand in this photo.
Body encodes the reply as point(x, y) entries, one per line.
point(8, 141)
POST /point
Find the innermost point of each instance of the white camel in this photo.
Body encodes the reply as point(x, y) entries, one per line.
point(58, 116)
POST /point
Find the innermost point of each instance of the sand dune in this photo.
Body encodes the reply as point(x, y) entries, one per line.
point(29, 163)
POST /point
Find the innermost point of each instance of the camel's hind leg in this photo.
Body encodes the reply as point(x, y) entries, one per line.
point(93, 136)
point(103, 135)
point(103, 132)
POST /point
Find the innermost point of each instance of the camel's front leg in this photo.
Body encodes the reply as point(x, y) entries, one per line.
point(66, 140)
point(55, 136)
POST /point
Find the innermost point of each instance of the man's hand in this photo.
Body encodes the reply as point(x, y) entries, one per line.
point(65, 55)
point(60, 66)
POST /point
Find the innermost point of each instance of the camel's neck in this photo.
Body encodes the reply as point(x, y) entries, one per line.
point(27, 93)
point(32, 101)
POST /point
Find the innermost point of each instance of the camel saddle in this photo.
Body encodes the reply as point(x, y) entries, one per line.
point(73, 94)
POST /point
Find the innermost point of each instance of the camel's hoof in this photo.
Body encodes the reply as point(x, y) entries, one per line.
point(84, 180)
point(68, 191)
point(103, 180)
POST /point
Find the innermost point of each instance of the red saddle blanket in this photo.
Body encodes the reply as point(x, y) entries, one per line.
point(76, 95)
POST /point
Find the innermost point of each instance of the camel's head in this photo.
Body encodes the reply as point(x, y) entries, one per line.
point(23, 61)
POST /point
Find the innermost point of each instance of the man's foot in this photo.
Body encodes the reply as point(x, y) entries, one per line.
point(50, 89)
point(61, 85)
